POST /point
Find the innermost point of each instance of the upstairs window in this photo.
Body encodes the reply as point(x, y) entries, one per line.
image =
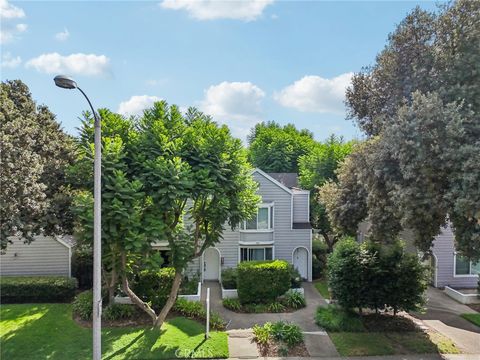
point(262, 221)
point(256, 253)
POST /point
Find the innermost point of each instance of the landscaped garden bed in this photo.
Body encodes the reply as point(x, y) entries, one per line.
point(262, 287)
point(47, 331)
point(279, 339)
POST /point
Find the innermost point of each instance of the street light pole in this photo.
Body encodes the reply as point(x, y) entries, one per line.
point(68, 83)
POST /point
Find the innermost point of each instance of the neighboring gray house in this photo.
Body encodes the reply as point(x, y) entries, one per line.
point(281, 230)
point(448, 267)
point(45, 255)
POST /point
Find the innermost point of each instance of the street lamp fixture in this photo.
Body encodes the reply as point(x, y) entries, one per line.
point(66, 82)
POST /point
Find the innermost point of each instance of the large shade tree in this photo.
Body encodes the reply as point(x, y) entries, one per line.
point(422, 168)
point(276, 148)
point(167, 177)
point(316, 168)
point(35, 152)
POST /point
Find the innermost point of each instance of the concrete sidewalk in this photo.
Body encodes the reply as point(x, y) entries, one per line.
point(443, 315)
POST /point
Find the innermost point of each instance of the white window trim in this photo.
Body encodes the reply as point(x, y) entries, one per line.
point(255, 247)
point(470, 275)
point(270, 207)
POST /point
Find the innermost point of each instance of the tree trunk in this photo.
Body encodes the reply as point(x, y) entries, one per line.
point(137, 301)
point(111, 286)
point(171, 299)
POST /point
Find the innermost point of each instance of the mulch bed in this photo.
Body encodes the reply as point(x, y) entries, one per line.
point(388, 323)
point(475, 307)
point(272, 349)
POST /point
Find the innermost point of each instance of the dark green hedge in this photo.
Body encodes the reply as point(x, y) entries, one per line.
point(262, 281)
point(37, 289)
point(154, 286)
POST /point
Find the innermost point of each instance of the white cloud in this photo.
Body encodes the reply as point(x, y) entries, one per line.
point(136, 104)
point(82, 64)
point(8, 61)
point(315, 94)
point(62, 35)
point(237, 104)
point(8, 34)
point(214, 9)
point(9, 11)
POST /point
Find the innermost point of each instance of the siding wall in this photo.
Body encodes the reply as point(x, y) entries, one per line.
point(285, 239)
point(300, 208)
point(444, 251)
point(43, 256)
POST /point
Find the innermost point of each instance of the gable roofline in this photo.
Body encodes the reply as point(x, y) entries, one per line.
point(276, 182)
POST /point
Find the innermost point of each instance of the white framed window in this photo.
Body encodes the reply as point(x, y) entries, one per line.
point(464, 267)
point(263, 221)
point(256, 253)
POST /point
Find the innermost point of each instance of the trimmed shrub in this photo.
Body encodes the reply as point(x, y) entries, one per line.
point(392, 278)
point(336, 319)
point(229, 278)
point(38, 289)
point(276, 307)
point(293, 299)
point(189, 286)
point(280, 331)
point(119, 312)
point(232, 304)
point(82, 306)
point(345, 274)
point(262, 281)
point(154, 286)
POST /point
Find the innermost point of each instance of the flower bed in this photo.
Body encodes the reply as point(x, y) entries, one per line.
point(469, 296)
point(288, 302)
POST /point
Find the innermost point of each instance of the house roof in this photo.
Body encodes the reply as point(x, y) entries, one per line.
point(290, 180)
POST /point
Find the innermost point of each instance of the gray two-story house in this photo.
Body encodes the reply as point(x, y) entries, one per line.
point(280, 230)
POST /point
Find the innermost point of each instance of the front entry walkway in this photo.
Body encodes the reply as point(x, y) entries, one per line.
point(317, 341)
point(443, 315)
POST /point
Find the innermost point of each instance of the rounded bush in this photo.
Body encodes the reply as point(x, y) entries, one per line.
point(262, 281)
point(82, 306)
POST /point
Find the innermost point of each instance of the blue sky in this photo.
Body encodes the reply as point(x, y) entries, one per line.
point(240, 62)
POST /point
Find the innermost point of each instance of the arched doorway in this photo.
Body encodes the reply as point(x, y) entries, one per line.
point(300, 261)
point(211, 264)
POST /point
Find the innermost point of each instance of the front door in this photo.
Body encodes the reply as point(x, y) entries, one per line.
point(300, 261)
point(211, 264)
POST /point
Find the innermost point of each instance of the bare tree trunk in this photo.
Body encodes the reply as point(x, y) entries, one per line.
point(171, 299)
point(135, 299)
point(111, 286)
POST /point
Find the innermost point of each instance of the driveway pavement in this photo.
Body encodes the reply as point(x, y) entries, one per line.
point(239, 325)
point(443, 315)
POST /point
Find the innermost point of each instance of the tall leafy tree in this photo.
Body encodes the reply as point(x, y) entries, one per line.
point(421, 100)
point(316, 168)
point(276, 148)
point(167, 177)
point(35, 154)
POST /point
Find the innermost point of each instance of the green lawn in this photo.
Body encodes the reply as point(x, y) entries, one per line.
point(473, 318)
point(380, 335)
point(47, 331)
point(390, 343)
point(322, 287)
